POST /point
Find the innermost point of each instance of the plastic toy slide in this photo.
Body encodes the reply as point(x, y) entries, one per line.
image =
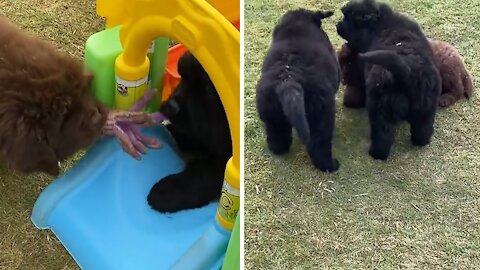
point(98, 211)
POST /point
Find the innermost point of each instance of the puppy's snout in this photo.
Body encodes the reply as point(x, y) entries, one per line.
point(96, 116)
point(339, 28)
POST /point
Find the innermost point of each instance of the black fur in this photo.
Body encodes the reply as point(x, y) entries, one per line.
point(200, 127)
point(300, 77)
point(401, 79)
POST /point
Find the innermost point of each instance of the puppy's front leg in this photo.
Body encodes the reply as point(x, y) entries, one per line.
point(421, 128)
point(196, 186)
point(354, 97)
point(184, 142)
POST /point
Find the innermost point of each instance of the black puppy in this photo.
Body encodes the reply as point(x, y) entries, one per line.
point(200, 128)
point(300, 76)
point(402, 81)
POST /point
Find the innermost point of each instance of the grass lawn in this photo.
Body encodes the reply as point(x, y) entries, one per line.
point(67, 24)
point(418, 210)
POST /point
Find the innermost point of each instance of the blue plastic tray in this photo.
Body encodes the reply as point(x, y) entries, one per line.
point(98, 210)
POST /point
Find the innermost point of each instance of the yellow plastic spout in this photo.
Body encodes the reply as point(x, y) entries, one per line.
point(212, 39)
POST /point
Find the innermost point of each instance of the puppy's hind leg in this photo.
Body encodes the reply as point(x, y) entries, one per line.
point(279, 135)
point(422, 119)
point(382, 133)
point(277, 128)
point(467, 84)
point(453, 90)
point(321, 135)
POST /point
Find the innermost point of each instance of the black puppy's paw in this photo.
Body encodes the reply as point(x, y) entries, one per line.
point(377, 153)
point(279, 148)
point(329, 167)
point(279, 142)
point(421, 141)
point(165, 197)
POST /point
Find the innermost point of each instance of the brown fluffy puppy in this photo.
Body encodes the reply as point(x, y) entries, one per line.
point(352, 78)
point(456, 81)
point(46, 110)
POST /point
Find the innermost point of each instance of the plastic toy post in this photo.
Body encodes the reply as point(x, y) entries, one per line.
point(101, 50)
point(211, 39)
point(232, 256)
point(158, 60)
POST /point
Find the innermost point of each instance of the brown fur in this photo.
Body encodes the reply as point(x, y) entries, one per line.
point(46, 110)
point(352, 78)
point(456, 81)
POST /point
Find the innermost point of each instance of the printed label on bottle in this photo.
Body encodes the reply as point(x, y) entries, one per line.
point(128, 92)
point(229, 203)
point(152, 48)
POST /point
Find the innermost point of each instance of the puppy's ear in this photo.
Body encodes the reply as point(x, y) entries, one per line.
point(318, 16)
point(324, 14)
point(37, 157)
point(29, 151)
point(371, 2)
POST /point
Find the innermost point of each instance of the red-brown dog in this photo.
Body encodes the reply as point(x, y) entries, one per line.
point(456, 81)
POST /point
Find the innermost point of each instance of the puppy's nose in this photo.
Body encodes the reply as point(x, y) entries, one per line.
point(171, 108)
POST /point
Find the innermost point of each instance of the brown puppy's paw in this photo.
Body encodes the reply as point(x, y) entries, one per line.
point(446, 100)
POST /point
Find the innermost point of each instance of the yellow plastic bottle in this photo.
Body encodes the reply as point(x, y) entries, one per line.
point(229, 203)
